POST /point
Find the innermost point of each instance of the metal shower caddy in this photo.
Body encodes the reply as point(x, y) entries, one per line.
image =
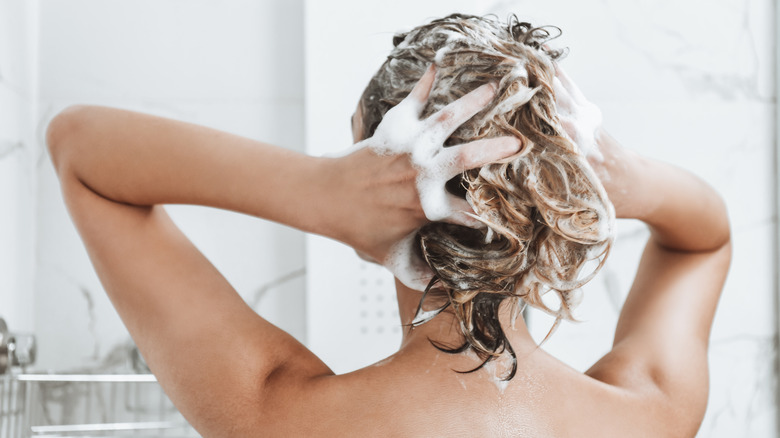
point(34, 404)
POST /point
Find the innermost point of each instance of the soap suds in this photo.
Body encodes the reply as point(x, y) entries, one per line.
point(409, 268)
point(496, 370)
point(511, 103)
point(580, 118)
point(402, 132)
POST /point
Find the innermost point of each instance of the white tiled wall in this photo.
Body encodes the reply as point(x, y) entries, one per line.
point(17, 157)
point(235, 65)
point(690, 83)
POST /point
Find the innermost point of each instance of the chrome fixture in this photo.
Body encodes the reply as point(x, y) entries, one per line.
point(16, 349)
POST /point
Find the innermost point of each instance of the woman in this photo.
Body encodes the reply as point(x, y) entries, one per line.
point(231, 373)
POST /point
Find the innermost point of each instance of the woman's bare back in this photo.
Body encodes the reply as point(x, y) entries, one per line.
point(421, 394)
point(232, 373)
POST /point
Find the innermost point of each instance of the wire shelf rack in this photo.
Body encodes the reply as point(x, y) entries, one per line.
point(87, 405)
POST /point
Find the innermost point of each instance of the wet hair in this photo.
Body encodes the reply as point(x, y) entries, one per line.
point(547, 215)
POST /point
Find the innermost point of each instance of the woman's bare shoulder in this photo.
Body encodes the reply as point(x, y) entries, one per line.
point(398, 397)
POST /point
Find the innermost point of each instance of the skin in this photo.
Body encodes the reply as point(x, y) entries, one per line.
point(233, 374)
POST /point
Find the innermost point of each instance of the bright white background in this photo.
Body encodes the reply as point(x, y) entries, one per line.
point(689, 82)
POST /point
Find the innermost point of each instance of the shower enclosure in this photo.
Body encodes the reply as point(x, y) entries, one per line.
point(85, 405)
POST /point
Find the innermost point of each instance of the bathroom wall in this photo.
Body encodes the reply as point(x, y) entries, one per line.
point(234, 65)
point(690, 83)
point(18, 152)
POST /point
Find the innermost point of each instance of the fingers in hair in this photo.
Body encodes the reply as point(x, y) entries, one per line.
point(447, 119)
point(456, 159)
point(422, 89)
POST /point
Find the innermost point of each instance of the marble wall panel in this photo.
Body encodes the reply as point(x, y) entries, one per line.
point(172, 50)
point(17, 155)
point(203, 62)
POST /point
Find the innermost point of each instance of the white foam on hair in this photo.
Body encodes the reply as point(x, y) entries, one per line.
point(511, 103)
point(495, 369)
point(519, 70)
point(440, 54)
point(500, 383)
point(407, 266)
point(606, 228)
point(402, 132)
point(585, 120)
point(447, 46)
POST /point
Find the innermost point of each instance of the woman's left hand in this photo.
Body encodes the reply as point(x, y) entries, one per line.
point(395, 182)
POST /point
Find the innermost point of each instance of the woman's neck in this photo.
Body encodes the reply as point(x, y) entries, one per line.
point(445, 328)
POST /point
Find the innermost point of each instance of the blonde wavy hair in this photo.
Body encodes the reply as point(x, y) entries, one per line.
point(546, 213)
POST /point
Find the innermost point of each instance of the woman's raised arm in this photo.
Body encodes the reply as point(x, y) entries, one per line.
point(211, 353)
point(660, 347)
point(662, 337)
point(222, 364)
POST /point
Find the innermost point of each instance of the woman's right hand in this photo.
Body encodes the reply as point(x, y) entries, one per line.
point(395, 181)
